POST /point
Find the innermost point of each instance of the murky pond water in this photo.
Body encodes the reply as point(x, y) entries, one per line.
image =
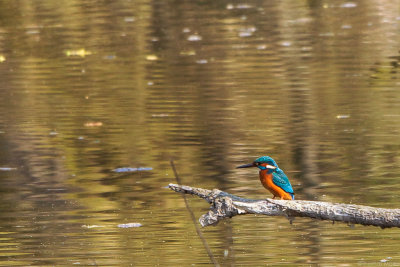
point(87, 87)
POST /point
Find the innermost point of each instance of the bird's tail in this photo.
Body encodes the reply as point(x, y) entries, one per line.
point(292, 195)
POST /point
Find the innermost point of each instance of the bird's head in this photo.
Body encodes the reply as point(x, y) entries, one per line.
point(262, 163)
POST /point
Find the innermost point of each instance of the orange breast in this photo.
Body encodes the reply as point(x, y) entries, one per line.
point(266, 180)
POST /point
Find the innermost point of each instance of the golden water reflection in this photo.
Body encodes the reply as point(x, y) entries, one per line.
point(89, 87)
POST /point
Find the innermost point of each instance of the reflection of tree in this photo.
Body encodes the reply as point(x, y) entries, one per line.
point(205, 102)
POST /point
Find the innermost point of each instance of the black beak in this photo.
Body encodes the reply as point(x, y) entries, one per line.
point(246, 165)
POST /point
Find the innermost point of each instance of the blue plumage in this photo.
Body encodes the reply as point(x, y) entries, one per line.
point(279, 178)
point(267, 159)
point(272, 177)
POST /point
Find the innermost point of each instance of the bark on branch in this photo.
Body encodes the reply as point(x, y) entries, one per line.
point(226, 205)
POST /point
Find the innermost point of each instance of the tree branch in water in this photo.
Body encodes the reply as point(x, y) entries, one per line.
point(225, 205)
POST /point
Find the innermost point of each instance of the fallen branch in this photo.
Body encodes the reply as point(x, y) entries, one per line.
point(225, 205)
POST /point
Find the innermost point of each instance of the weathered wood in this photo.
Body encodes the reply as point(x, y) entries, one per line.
point(225, 205)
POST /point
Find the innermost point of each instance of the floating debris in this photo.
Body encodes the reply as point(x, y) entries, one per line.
point(93, 124)
point(300, 20)
point(77, 52)
point(194, 38)
point(159, 115)
point(348, 5)
point(286, 43)
point(109, 57)
point(188, 53)
point(342, 116)
point(7, 169)
point(238, 6)
point(33, 31)
point(246, 32)
point(243, 6)
point(91, 226)
point(329, 34)
point(306, 48)
point(129, 225)
point(129, 19)
point(226, 253)
point(129, 169)
point(386, 260)
point(151, 57)
point(202, 61)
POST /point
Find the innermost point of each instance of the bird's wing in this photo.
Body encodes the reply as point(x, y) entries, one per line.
point(280, 179)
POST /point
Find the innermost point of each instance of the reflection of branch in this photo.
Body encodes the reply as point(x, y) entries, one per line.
point(226, 205)
point(199, 233)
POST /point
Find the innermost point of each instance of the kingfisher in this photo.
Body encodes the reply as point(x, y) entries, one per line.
point(272, 177)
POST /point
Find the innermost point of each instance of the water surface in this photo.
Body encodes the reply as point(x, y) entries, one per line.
point(90, 87)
